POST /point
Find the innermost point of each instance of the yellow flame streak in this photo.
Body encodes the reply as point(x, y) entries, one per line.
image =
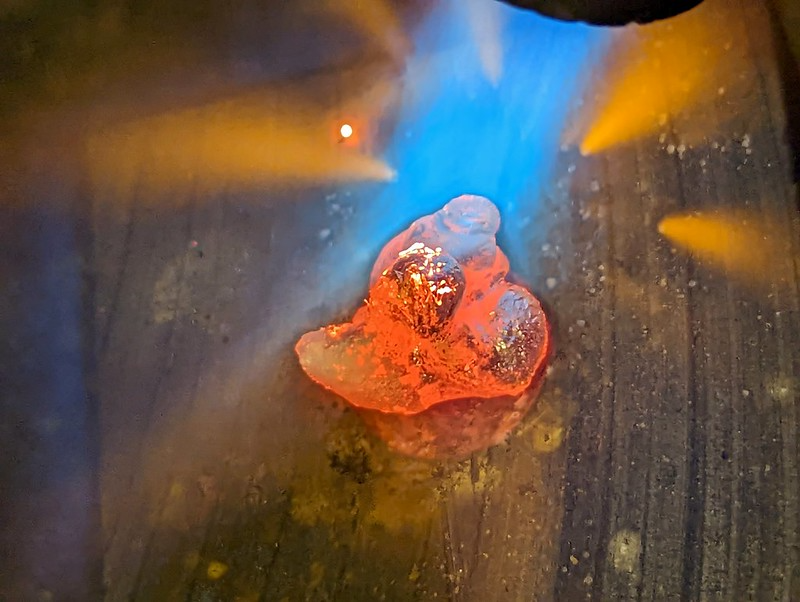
point(662, 69)
point(377, 19)
point(246, 142)
point(742, 243)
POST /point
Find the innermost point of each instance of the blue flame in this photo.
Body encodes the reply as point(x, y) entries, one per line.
point(456, 132)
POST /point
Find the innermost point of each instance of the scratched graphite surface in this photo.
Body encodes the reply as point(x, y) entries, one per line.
point(660, 462)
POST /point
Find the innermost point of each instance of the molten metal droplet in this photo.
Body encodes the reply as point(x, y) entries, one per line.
point(441, 323)
point(422, 289)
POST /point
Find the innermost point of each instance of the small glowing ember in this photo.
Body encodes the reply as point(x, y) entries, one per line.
point(441, 322)
point(346, 130)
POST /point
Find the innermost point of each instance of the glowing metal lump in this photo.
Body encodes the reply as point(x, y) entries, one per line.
point(441, 323)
